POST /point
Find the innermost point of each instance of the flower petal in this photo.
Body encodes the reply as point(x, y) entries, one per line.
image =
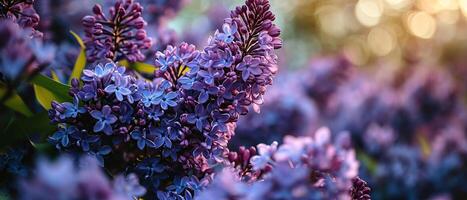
point(99, 126)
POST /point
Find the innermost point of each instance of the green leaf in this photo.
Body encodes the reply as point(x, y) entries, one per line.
point(24, 127)
point(139, 66)
point(47, 90)
point(78, 39)
point(80, 62)
point(54, 76)
point(45, 97)
point(15, 102)
point(144, 67)
point(42, 147)
point(4, 196)
point(368, 161)
point(60, 90)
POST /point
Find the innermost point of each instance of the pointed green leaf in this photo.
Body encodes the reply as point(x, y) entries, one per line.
point(42, 147)
point(80, 62)
point(78, 39)
point(139, 66)
point(45, 97)
point(15, 102)
point(59, 90)
point(54, 76)
point(144, 67)
point(47, 90)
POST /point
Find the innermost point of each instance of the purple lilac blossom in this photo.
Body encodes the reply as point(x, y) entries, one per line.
point(21, 54)
point(172, 131)
point(324, 77)
point(315, 167)
point(399, 124)
point(360, 189)
point(283, 112)
point(117, 35)
point(62, 179)
point(21, 12)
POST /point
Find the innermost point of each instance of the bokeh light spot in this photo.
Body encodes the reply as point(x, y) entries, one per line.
point(421, 24)
point(369, 12)
point(381, 41)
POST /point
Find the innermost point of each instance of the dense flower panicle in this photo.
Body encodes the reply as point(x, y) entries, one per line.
point(446, 162)
point(270, 125)
point(360, 189)
point(401, 168)
point(21, 55)
point(119, 118)
point(226, 185)
point(378, 138)
point(324, 76)
point(118, 34)
point(399, 126)
point(315, 167)
point(240, 163)
point(63, 180)
point(173, 130)
point(431, 96)
point(21, 12)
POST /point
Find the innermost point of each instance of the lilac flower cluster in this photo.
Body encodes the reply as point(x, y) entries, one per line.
point(398, 124)
point(21, 55)
point(399, 128)
point(315, 167)
point(279, 104)
point(117, 35)
point(63, 180)
point(324, 77)
point(311, 104)
point(21, 12)
point(58, 17)
point(360, 189)
point(172, 131)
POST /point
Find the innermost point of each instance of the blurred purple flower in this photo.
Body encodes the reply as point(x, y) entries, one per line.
point(84, 182)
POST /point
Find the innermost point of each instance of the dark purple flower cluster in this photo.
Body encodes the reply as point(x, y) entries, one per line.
point(360, 189)
point(172, 131)
point(117, 35)
point(63, 180)
point(21, 12)
point(315, 167)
